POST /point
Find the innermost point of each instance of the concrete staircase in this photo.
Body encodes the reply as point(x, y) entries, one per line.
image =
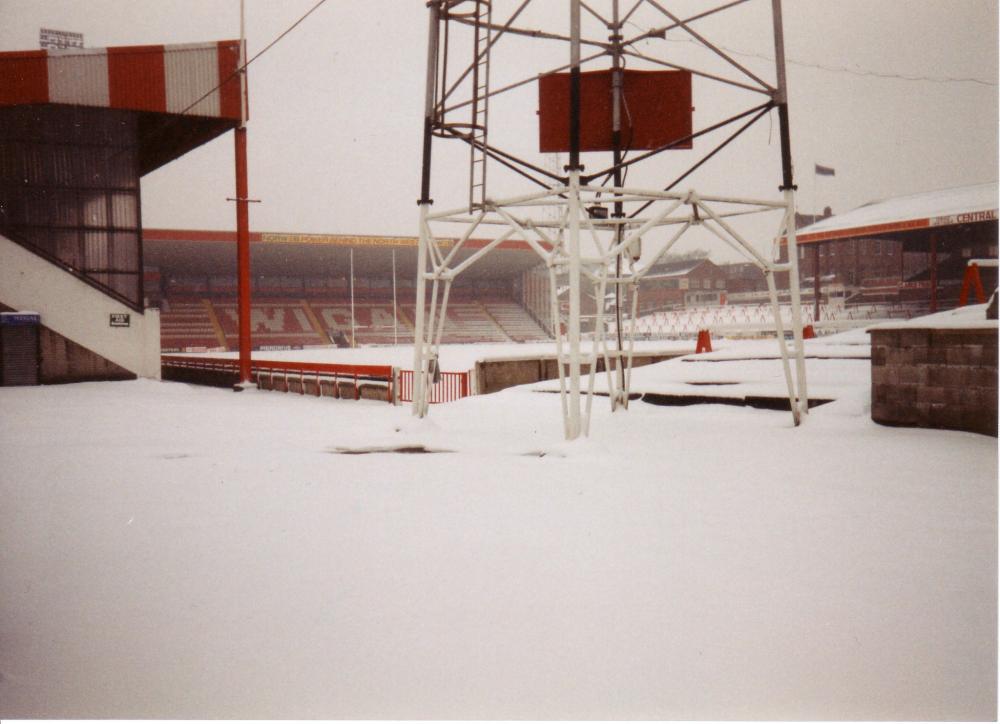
point(79, 312)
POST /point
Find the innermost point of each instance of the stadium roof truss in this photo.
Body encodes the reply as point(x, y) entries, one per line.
point(568, 211)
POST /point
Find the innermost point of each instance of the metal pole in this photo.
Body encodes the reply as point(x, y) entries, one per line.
point(788, 187)
point(353, 339)
point(780, 97)
point(395, 322)
point(617, 83)
point(574, 85)
point(816, 288)
point(243, 220)
point(433, 37)
point(934, 274)
point(573, 332)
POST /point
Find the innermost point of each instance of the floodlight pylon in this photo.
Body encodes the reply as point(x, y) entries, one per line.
point(576, 198)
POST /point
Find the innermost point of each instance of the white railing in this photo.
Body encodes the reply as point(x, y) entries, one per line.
point(748, 318)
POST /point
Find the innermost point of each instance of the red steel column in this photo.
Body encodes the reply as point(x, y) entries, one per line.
point(934, 273)
point(816, 287)
point(243, 252)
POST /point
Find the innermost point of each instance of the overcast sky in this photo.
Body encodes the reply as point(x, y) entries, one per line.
point(336, 107)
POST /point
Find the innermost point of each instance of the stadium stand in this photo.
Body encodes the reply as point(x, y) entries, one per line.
point(303, 293)
point(515, 322)
point(187, 324)
point(203, 323)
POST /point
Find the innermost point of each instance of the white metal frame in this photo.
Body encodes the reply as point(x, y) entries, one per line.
point(557, 237)
point(529, 218)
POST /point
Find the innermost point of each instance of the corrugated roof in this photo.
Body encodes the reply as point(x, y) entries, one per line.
point(190, 251)
point(183, 95)
point(961, 205)
point(196, 79)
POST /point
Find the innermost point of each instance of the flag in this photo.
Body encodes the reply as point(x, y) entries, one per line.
point(825, 171)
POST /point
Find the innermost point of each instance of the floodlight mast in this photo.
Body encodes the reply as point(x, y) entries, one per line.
point(242, 220)
point(788, 189)
point(578, 197)
point(574, 168)
point(617, 83)
point(425, 201)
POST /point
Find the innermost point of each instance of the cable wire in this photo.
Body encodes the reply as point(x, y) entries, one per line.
point(839, 69)
point(263, 50)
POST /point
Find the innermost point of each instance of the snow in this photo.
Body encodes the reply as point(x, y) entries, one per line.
point(838, 368)
point(170, 551)
point(972, 316)
point(926, 205)
point(452, 357)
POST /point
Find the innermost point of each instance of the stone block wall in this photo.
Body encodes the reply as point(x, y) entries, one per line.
point(499, 374)
point(939, 378)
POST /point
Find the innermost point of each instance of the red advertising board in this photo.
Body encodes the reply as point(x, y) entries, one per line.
point(656, 111)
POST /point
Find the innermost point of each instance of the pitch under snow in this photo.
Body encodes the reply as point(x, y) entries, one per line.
point(172, 551)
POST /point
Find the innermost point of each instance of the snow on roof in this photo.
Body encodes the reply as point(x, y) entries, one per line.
point(969, 317)
point(961, 205)
point(674, 268)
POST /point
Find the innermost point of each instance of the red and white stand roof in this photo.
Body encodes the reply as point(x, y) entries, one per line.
point(182, 95)
point(198, 79)
point(947, 207)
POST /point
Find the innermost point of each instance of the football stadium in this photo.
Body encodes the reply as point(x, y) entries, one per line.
point(605, 427)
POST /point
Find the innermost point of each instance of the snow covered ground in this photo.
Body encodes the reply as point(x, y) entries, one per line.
point(171, 551)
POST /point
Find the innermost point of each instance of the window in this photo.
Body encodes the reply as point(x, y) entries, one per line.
point(75, 202)
point(878, 247)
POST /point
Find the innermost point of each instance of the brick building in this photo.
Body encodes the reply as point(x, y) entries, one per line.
point(678, 284)
point(910, 249)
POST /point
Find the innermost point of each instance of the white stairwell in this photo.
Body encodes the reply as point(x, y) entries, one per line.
point(78, 311)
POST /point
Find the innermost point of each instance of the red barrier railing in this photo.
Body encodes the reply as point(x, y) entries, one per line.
point(302, 374)
point(453, 386)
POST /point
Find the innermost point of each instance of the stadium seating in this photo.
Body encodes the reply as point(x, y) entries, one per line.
point(191, 322)
point(187, 324)
point(515, 322)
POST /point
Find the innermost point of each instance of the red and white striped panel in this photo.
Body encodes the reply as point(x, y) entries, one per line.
point(197, 79)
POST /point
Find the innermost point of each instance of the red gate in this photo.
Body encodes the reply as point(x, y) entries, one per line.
point(453, 386)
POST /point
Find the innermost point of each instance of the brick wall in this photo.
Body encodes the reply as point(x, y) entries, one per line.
point(941, 378)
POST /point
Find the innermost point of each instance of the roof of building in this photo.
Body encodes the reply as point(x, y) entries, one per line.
point(185, 95)
point(945, 207)
point(193, 251)
point(679, 268)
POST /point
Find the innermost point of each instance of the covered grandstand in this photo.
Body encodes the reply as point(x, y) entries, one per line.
point(78, 130)
point(322, 289)
point(910, 250)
